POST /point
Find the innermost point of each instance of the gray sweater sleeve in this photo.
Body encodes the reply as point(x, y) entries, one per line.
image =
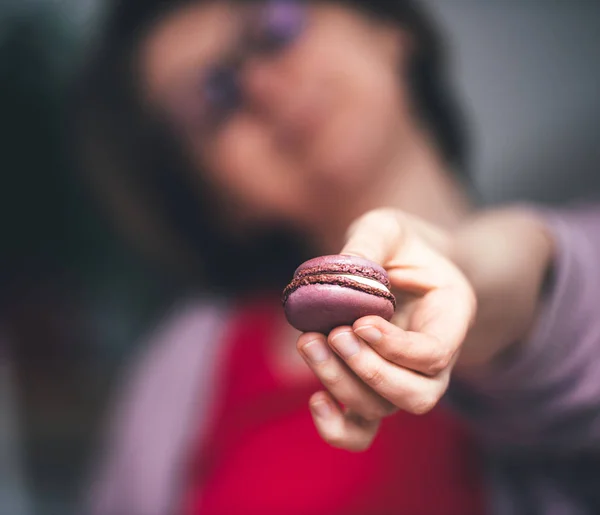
point(547, 395)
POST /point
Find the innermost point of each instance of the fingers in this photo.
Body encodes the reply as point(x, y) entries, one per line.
point(379, 234)
point(405, 389)
point(367, 384)
point(420, 352)
point(438, 320)
point(376, 366)
point(342, 430)
point(446, 314)
point(375, 235)
point(340, 381)
point(438, 325)
point(355, 428)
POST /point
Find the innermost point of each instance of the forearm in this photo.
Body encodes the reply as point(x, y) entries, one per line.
point(535, 383)
point(506, 255)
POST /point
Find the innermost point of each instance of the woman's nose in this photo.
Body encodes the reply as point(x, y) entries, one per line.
point(264, 86)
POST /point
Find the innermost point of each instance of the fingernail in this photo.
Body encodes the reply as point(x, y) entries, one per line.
point(346, 343)
point(316, 351)
point(369, 333)
point(321, 409)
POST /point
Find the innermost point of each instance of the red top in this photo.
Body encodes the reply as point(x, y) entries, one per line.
point(264, 455)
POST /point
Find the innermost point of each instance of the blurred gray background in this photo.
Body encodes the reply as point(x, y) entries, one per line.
point(529, 71)
point(529, 76)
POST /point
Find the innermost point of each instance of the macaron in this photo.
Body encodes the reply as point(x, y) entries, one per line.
point(332, 291)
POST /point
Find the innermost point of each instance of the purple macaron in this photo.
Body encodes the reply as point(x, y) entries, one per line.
point(332, 291)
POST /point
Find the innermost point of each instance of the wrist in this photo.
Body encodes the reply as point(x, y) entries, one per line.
point(507, 256)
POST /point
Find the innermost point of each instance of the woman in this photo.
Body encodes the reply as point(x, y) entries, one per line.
point(242, 138)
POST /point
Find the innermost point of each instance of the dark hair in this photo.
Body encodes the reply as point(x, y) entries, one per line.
point(135, 161)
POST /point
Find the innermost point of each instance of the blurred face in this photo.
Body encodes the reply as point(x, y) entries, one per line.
point(290, 110)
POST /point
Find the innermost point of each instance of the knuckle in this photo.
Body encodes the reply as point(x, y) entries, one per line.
point(374, 377)
point(396, 353)
point(440, 363)
point(331, 378)
point(423, 404)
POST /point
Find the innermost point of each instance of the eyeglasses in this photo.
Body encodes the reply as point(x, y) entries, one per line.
point(205, 101)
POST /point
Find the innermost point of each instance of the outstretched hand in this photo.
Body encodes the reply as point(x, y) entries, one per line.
point(375, 367)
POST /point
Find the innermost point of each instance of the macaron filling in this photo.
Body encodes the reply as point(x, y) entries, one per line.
point(366, 281)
